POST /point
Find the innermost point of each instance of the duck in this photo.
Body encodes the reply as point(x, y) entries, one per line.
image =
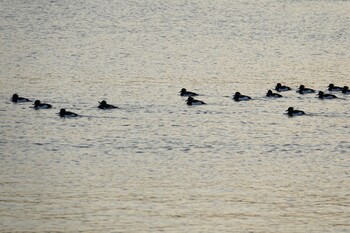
point(191, 101)
point(292, 112)
point(184, 92)
point(16, 99)
point(280, 88)
point(303, 90)
point(345, 90)
point(64, 113)
point(39, 105)
point(331, 87)
point(271, 94)
point(321, 95)
point(104, 105)
point(239, 97)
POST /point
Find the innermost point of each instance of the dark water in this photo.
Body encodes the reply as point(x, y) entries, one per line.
point(157, 164)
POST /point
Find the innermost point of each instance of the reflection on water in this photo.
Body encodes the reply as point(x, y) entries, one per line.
point(157, 164)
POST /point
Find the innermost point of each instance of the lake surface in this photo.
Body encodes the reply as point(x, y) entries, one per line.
point(156, 164)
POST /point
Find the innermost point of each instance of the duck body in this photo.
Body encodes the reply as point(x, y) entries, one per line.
point(279, 87)
point(292, 112)
point(104, 105)
point(239, 97)
point(304, 90)
point(186, 93)
point(39, 105)
point(191, 101)
point(273, 95)
point(331, 87)
point(16, 99)
point(321, 95)
point(64, 113)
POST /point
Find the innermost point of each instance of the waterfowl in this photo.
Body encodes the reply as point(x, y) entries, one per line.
point(104, 105)
point(39, 105)
point(292, 112)
point(184, 92)
point(303, 90)
point(280, 88)
point(345, 90)
point(331, 87)
point(321, 95)
point(64, 113)
point(192, 101)
point(271, 94)
point(239, 97)
point(16, 99)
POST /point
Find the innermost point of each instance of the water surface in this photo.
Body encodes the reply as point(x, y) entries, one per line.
point(157, 164)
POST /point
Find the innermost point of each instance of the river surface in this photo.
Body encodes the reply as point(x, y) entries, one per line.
point(156, 164)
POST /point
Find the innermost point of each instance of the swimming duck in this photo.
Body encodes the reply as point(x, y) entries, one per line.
point(104, 105)
point(184, 92)
point(280, 88)
point(39, 105)
point(239, 97)
point(64, 113)
point(304, 90)
point(321, 95)
point(271, 94)
point(345, 90)
point(331, 87)
point(292, 112)
point(16, 99)
point(192, 101)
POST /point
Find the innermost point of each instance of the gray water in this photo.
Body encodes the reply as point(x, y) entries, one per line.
point(156, 164)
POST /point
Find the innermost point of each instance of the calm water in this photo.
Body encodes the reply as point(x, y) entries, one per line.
point(156, 164)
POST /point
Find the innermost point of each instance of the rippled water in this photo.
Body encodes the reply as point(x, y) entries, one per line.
point(157, 164)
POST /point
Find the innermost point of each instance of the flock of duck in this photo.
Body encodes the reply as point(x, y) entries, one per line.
point(279, 88)
point(63, 113)
point(192, 101)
